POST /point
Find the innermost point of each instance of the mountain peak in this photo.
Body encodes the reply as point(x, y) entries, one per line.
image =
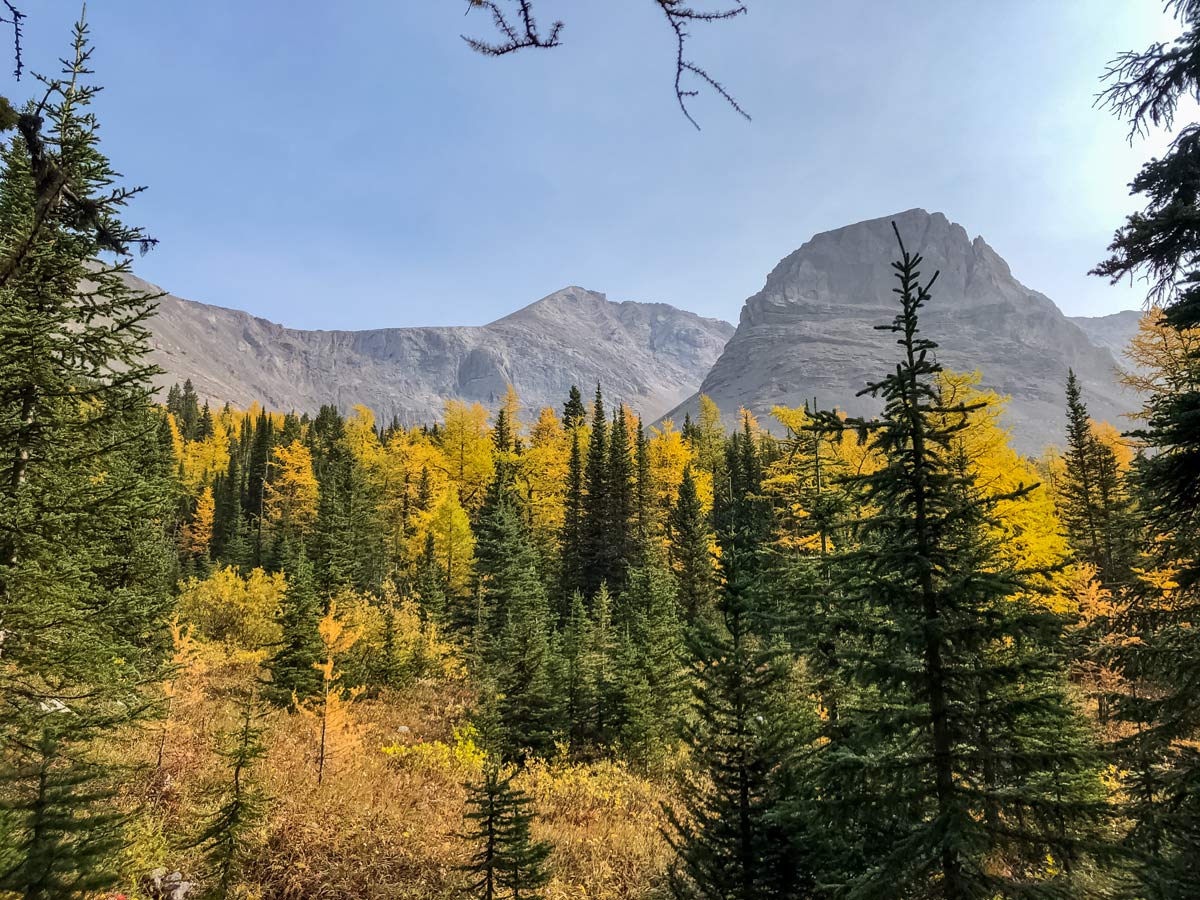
point(810, 332)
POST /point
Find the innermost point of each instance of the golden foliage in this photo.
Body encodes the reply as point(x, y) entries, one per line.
point(197, 534)
point(337, 733)
point(293, 493)
point(236, 610)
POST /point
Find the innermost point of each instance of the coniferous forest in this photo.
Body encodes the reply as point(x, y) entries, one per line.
point(568, 652)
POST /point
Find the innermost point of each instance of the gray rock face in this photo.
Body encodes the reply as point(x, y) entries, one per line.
point(809, 333)
point(1114, 332)
point(649, 356)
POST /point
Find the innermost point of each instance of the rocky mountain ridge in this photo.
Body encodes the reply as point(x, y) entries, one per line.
point(810, 332)
point(649, 356)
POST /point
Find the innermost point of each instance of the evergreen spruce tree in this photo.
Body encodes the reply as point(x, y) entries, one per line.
point(241, 802)
point(579, 686)
point(604, 670)
point(946, 749)
point(505, 861)
point(515, 630)
point(652, 687)
point(596, 556)
point(572, 538)
point(294, 675)
point(690, 553)
point(644, 516)
point(1162, 661)
point(189, 412)
point(84, 563)
point(730, 845)
point(574, 412)
point(1092, 498)
point(620, 545)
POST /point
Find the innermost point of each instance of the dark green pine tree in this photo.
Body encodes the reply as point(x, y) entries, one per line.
point(258, 469)
point(652, 680)
point(1093, 501)
point(571, 540)
point(84, 567)
point(293, 664)
point(188, 418)
point(645, 524)
point(335, 554)
point(574, 412)
point(596, 558)
point(61, 837)
point(204, 425)
point(620, 543)
point(1161, 244)
point(602, 668)
point(240, 801)
point(515, 627)
point(690, 550)
point(505, 861)
point(964, 692)
point(227, 511)
point(730, 844)
point(430, 583)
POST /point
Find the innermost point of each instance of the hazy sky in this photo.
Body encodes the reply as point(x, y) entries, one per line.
point(352, 164)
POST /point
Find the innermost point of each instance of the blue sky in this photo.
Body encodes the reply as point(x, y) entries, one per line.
point(353, 164)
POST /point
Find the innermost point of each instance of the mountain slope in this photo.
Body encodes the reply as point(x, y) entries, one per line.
point(649, 356)
point(810, 331)
point(1114, 331)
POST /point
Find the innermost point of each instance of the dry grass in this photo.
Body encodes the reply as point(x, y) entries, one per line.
point(386, 821)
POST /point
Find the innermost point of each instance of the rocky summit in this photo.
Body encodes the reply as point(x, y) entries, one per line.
point(810, 332)
point(649, 356)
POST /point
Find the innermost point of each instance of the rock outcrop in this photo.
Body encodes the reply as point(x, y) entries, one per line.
point(649, 356)
point(810, 332)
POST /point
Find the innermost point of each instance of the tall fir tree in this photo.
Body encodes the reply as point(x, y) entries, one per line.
point(571, 540)
point(596, 556)
point(293, 665)
point(84, 591)
point(574, 412)
point(690, 550)
point(964, 674)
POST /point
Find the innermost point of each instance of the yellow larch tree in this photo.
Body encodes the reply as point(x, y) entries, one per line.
point(1162, 357)
point(542, 473)
point(330, 709)
point(292, 491)
point(670, 454)
point(1026, 529)
point(467, 450)
point(453, 542)
point(197, 534)
point(202, 461)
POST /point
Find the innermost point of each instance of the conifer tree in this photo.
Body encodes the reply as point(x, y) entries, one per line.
point(293, 664)
point(572, 538)
point(945, 751)
point(619, 541)
point(690, 553)
point(653, 689)
point(644, 515)
point(84, 568)
point(241, 800)
point(596, 556)
point(574, 412)
point(60, 834)
point(579, 688)
point(506, 862)
point(1093, 500)
point(729, 845)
